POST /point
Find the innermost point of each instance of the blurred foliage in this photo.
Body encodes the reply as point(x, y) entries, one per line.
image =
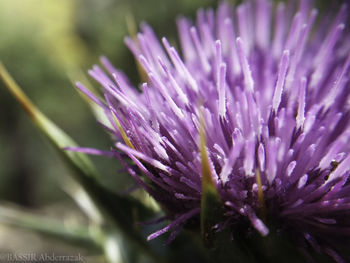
point(44, 44)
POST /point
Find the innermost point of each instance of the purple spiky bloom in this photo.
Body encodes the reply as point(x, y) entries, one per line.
point(273, 91)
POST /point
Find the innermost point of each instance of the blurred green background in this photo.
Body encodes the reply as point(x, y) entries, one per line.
point(45, 44)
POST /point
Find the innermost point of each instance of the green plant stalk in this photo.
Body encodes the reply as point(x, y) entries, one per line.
point(80, 236)
point(117, 211)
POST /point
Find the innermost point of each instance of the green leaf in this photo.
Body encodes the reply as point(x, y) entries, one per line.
point(116, 211)
point(57, 137)
point(75, 235)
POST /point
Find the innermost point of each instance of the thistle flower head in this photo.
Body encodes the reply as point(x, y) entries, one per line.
point(273, 93)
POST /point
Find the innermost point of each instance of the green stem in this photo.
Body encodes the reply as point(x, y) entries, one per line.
point(16, 217)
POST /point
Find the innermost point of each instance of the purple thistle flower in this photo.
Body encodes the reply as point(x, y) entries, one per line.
point(273, 91)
